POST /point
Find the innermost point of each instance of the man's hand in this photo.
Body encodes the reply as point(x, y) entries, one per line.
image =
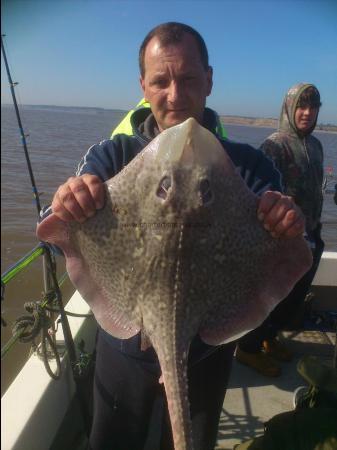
point(280, 216)
point(79, 198)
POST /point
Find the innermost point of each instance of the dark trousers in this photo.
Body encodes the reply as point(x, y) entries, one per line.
point(130, 404)
point(289, 308)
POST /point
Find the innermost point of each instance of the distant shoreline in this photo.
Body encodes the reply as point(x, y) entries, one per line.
point(226, 119)
point(267, 123)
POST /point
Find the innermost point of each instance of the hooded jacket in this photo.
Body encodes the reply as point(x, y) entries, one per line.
point(299, 158)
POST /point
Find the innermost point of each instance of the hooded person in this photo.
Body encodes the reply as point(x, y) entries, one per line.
point(298, 155)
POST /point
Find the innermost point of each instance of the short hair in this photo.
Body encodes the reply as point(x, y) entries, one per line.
point(309, 97)
point(172, 33)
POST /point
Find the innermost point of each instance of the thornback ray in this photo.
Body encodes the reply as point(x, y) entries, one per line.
point(176, 251)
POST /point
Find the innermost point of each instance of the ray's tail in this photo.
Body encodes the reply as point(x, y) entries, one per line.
point(174, 372)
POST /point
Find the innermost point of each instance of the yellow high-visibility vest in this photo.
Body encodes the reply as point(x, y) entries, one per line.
point(124, 127)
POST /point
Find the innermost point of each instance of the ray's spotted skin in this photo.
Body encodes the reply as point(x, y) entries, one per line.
point(178, 250)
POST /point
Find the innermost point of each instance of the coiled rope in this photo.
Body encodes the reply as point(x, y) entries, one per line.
point(33, 325)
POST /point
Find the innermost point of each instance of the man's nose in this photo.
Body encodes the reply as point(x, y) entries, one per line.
point(174, 93)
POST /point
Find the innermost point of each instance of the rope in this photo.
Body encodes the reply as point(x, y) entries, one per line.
point(68, 313)
point(30, 326)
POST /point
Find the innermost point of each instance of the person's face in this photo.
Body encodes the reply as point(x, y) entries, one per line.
point(305, 117)
point(175, 83)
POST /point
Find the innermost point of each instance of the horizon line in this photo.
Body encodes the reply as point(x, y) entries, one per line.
point(127, 110)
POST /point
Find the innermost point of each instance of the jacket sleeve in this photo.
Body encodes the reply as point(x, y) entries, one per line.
point(257, 170)
point(109, 157)
point(99, 160)
point(275, 152)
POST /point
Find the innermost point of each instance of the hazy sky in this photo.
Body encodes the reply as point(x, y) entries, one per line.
point(84, 52)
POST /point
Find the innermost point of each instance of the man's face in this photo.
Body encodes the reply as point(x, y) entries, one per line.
point(175, 83)
point(305, 117)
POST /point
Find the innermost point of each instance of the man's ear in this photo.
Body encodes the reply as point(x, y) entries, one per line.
point(209, 76)
point(142, 85)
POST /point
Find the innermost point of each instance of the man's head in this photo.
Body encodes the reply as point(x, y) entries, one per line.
point(174, 73)
point(307, 109)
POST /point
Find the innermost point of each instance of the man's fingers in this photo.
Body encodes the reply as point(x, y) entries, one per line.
point(79, 198)
point(81, 195)
point(294, 230)
point(267, 202)
point(97, 190)
point(280, 216)
point(291, 225)
point(58, 209)
point(278, 212)
point(65, 204)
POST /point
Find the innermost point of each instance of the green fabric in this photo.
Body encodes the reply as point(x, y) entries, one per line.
point(305, 429)
point(313, 425)
point(125, 125)
point(222, 133)
point(317, 374)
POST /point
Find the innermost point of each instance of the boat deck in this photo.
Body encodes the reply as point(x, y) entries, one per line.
point(253, 399)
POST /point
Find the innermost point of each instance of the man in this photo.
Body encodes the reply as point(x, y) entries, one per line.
point(176, 78)
point(299, 157)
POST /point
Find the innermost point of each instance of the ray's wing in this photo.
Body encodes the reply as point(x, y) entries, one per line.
point(254, 271)
point(263, 272)
point(79, 262)
point(100, 253)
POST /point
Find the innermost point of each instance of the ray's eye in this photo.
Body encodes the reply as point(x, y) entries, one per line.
point(164, 187)
point(206, 193)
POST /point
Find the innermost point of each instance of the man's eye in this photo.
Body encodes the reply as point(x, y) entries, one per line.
point(159, 83)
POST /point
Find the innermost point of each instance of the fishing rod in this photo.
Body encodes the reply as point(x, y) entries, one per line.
point(48, 266)
point(23, 136)
point(51, 285)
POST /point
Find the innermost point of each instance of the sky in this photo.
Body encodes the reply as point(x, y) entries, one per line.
point(85, 52)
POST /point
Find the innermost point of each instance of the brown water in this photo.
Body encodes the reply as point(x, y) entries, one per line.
point(58, 139)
